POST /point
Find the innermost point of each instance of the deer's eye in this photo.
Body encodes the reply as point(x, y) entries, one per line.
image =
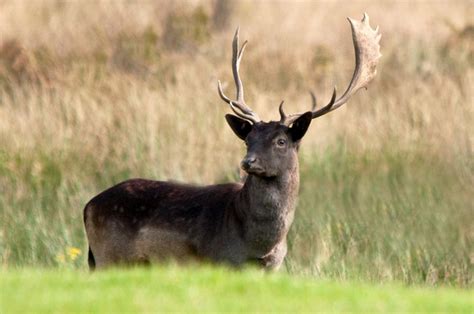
point(281, 142)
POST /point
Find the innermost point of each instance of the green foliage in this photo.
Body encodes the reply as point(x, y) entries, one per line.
point(375, 216)
point(383, 216)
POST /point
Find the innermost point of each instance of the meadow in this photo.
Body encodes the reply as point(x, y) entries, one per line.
point(95, 93)
point(212, 289)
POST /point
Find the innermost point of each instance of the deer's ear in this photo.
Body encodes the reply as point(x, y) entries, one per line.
point(240, 126)
point(300, 126)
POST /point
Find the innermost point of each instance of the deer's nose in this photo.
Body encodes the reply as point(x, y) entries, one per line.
point(248, 161)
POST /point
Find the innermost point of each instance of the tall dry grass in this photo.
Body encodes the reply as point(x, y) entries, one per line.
point(93, 93)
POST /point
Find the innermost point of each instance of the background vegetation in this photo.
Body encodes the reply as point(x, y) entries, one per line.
point(95, 93)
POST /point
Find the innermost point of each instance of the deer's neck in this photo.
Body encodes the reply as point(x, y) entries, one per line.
point(266, 207)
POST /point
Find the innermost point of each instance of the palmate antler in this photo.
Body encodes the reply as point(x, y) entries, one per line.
point(367, 53)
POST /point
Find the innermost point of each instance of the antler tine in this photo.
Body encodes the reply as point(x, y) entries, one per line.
point(367, 54)
point(316, 113)
point(221, 93)
point(238, 104)
point(283, 116)
point(326, 108)
point(236, 57)
point(314, 101)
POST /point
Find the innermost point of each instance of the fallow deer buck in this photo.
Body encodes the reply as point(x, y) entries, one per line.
point(143, 221)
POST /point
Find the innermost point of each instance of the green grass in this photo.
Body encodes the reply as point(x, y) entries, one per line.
point(208, 289)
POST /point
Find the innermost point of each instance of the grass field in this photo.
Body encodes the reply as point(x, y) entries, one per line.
point(212, 290)
point(95, 93)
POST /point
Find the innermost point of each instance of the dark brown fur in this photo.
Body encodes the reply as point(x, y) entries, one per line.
point(141, 221)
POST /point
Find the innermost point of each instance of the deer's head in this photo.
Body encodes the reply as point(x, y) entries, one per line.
point(272, 146)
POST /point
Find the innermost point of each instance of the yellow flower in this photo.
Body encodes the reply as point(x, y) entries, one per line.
point(73, 253)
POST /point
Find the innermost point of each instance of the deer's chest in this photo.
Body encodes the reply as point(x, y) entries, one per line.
point(268, 225)
point(263, 233)
point(268, 219)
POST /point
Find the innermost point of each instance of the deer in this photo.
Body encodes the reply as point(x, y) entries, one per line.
point(141, 221)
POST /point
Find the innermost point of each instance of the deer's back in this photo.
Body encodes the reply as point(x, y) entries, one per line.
point(142, 215)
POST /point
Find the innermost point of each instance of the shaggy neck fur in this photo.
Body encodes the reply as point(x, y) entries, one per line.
point(266, 208)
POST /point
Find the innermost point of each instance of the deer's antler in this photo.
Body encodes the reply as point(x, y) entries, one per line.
point(238, 105)
point(367, 53)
